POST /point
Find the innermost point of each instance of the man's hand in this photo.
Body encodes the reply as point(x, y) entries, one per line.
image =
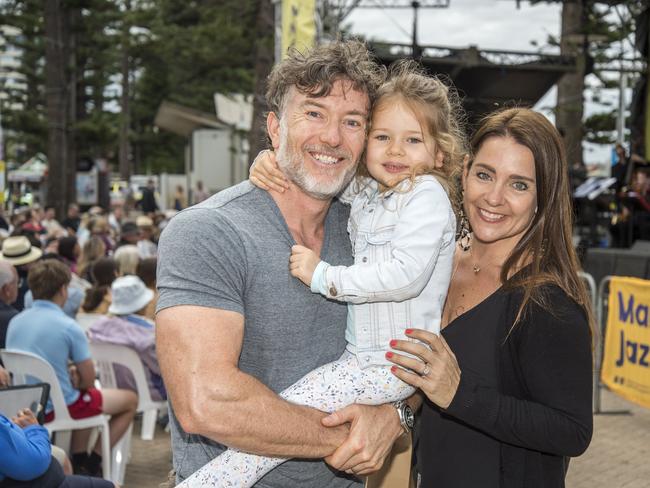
point(373, 431)
point(73, 372)
point(302, 263)
point(24, 418)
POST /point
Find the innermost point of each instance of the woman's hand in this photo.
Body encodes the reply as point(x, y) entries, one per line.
point(302, 263)
point(24, 418)
point(436, 372)
point(265, 174)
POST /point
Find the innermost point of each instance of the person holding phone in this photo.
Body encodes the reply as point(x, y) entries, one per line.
point(27, 457)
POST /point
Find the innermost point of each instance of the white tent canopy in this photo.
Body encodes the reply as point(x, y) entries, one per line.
point(32, 170)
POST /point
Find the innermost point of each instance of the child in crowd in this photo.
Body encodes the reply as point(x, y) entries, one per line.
point(402, 227)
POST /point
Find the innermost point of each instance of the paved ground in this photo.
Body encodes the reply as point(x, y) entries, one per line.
point(617, 458)
point(150, 460)
point(620, 449)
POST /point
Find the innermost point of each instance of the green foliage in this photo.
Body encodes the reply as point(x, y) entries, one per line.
point(23, 111)
point(609, 27)
point(600, 127)
point(194, 50)
point(178, 51)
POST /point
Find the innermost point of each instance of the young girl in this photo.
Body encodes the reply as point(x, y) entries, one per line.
point(402, 227)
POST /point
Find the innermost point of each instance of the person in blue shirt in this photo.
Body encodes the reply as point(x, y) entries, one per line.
point(66, 343)
point(25, 447)
point(27, 457)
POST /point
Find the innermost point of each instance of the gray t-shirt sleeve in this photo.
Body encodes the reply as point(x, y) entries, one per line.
point(201, 261)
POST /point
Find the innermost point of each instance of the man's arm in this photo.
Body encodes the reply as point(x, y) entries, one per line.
point(85, 374)
point(198, 351)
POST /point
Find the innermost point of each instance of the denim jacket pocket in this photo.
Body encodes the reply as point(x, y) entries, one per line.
point(380, 237)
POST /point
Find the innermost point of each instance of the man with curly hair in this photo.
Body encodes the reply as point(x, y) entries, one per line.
point(234, 328)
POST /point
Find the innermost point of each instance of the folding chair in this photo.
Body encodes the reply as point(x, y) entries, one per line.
point(106, 355)
point(86, 320)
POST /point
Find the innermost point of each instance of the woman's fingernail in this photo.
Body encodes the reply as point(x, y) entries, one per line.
point(393, 369)
point(389, 355)
point(408, 331)
point(393, 343)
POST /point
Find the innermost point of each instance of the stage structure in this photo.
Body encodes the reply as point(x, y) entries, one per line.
point(486, 79)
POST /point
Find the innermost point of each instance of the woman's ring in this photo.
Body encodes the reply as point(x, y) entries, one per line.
point(426, 370)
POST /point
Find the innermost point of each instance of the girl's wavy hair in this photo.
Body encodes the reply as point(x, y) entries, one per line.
point(547, 244)
point(437, 106)
point(315, 71)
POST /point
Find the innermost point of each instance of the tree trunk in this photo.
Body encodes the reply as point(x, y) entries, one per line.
point(570, 102)
point(57, 103)
point(264, 26)
point(125, 119)
point(73, 21)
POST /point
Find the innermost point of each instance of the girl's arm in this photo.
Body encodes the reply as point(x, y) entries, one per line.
point(426, 225)
point(26, 452)
point(264, 173)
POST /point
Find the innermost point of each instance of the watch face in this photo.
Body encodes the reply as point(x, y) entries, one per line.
point(409, 418)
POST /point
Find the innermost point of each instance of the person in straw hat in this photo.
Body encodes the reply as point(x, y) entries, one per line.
point(126, 325)
point(18, 250)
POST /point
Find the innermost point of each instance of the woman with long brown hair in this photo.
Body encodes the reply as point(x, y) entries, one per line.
point(507, 385)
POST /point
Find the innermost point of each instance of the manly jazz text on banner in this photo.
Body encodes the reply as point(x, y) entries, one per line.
point(626, 358)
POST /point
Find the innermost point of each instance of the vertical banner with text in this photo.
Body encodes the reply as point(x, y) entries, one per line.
point(298, 24)
point(626, 358)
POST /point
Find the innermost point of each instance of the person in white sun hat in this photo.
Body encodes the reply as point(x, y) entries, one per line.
point(126, 325)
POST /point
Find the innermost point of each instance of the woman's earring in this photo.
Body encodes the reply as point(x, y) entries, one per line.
point(464, 233)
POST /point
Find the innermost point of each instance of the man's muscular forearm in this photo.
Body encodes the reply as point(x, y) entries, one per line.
point(258, 421)
point(213, 398)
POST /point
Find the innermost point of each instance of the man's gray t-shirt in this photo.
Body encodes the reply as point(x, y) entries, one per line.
point(232, 252)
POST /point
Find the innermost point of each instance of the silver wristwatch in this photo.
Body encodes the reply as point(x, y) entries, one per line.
point(406, 416)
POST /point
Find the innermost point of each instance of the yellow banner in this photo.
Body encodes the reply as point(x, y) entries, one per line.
point(298, 24)
point(626, 358)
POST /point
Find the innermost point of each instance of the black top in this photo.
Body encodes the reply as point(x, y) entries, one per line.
point(71, 223)
point(524, 400)
point(7, 312)
point(441, 433)
point(148, 201)
point(23, 288)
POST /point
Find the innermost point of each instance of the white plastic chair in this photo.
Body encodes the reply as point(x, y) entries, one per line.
point(86, 320)
point(22, 364)
point(105, 356)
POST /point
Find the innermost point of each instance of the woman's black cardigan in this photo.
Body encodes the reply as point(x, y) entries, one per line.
point(542, 411)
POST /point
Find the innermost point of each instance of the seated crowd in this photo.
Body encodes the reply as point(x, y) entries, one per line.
point(90, 278)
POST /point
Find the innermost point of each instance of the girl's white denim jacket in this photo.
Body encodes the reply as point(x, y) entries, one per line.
point(403, 244)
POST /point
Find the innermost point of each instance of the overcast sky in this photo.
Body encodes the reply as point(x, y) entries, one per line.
point(489, 24)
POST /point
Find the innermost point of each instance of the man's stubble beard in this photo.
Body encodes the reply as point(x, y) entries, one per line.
point(292, 165)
